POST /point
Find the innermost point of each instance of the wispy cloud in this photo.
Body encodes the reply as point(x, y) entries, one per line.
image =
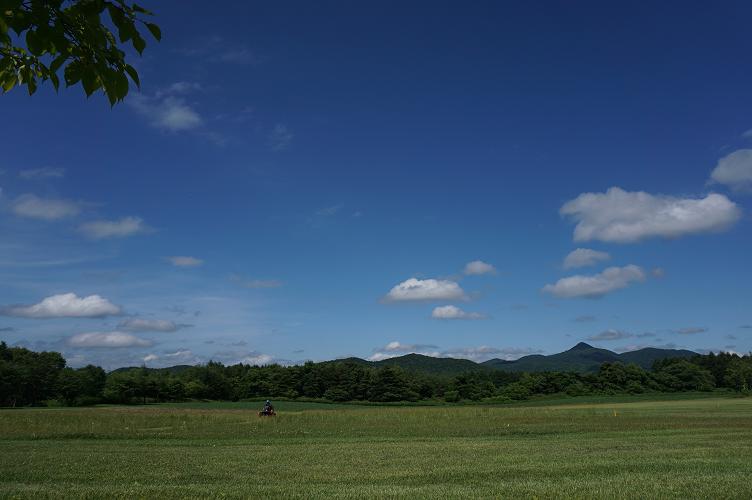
point(217, 49)
point(33, 174)
point(34, 207)
point(584, 319)
point(255, 283)
point(690, 330)
point(611, 335)
point(150, 325)
point(280, 137)
point(329, 211)
point(121, 228)
point(184, 261)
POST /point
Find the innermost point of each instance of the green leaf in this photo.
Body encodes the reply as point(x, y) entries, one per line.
point(90, 82)
point(72, 73)
point(55, 81)
point(9, 80)
point(32, 85)
point(57, 62)
point(133, 74)
point(138, 43)
point(155, 31)
point(34, 43)
point(121, 85)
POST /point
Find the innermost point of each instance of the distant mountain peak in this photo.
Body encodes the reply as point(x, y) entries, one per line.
point(581, 346)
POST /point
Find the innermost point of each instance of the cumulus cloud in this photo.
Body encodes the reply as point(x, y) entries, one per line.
point(690, 330)
point(584, 257)
point(414, 289)
point(33, 174)
point(107, 339)
point(619, 216)
point(454, 312)
point(735, 170)
point(66, 305)
point(150, 325)
point(597, 285)
point(32, 206)
point(104, 229)
point(478, 267)
point(150, 357)
point(185, 261)
point(611, 335)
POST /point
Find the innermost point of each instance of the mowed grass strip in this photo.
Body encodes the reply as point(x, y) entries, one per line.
point(697, 449)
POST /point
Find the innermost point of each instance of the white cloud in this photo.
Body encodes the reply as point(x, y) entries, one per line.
point(584, 257)
point(611, 335)
point(102, 229)
point(66, 305)
point(32, 206)
point(612, 278)
point(619, 216)
point(477, 354)
point(280, 137)
point(395, 348)
point(32, 174)
point(454, 312)
point(425, 290)
point(150, 357)
point(478, 267)
point(484, 353)
point(107, 339)
point(185, 261)
point(150, 325)
point(735, 170)
point(167, 109)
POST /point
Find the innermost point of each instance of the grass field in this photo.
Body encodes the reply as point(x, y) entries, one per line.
point(699, 448)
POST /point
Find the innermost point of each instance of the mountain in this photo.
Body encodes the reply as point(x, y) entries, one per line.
point(420, 363)
point(582, 358)
point(585, 358)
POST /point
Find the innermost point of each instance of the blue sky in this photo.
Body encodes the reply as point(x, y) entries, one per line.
point(301, 181)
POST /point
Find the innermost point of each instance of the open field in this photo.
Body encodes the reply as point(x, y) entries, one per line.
point(676, 448)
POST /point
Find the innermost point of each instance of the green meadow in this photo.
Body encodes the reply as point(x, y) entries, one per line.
point(698, 448)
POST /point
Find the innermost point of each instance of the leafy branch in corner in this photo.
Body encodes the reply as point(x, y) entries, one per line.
point(39, 38)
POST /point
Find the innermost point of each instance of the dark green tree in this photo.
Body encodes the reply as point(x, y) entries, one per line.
point(39, 38)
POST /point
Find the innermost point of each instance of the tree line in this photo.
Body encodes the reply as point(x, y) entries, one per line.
point(39, 378)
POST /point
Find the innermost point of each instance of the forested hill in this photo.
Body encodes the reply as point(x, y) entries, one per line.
point(585, 358)
point(582, 358)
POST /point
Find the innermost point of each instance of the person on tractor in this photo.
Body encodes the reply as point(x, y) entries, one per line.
point(268, 409)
